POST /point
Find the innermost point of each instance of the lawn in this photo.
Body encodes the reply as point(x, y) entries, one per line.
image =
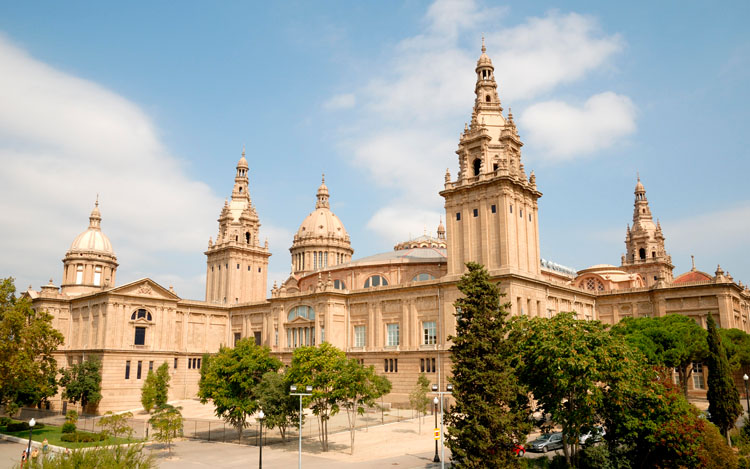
point(53, 433)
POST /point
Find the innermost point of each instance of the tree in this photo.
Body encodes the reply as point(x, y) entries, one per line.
point(491, 408)
point(673, 341)
point(230, 379)
point(568, 365)
point(116, 424)
point(418, 398)
point(161, 390)
point(167, 423)
point(27, 369)
point(148, 392)
point(319, 367)
point(280, 408)
point(155, 390)
point(357, 388)
point(723, 397)
point(737, 346)
point(82, 382)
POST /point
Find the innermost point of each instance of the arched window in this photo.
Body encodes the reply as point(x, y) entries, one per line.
point(594, 284)
point(642, 253)
point(339, 285)
point(376, 281)
point(477, 165)
point(303, 311)
point(247, 237)
point(141, 314)
point(423, 277)
point(487, 98)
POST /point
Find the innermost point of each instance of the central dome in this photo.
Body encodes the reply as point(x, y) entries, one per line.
point(322, 222)
point(93, 240)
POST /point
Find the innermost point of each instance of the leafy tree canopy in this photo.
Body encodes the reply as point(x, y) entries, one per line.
point(737, 346)
point(82, 382)
point(230, 378)
point(27, 341)
point(167, 422)
point(281, 409)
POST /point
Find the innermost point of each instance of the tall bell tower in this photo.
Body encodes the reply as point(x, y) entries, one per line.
point(237, 264)
point(491, 207)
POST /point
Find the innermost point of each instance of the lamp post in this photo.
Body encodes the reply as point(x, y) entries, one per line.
point(435, 411)
point(32, 422)
point(261, 415)
point(294, 392)
point(448, 390)
point(747, 398)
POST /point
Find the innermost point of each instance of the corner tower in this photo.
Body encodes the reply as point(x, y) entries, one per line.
point(237, 265)
point(321, 239)
point(491, 207)
point(90, 264)
point(644, 243)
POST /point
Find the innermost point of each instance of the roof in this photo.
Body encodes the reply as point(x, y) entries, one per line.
point(692, 276)
point(413, 255)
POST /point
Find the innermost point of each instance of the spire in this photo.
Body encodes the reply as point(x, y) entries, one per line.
point(322, 194)
point(95, 218)
point(441, 229)
point(484, 49)
point(692, 260)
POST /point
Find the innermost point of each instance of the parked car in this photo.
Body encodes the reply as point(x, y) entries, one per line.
point(519, 450)
point(594, 436)
point(546, 442)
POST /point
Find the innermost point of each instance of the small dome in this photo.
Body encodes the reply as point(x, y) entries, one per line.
point(322, 223)
point(484, 59)
point(93, 239)
point(242, 163)
point(692, 276)
point(639, 187)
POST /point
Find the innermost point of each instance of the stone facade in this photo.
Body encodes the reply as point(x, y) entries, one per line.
point(393, 310)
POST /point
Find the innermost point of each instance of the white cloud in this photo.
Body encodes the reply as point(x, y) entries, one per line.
point(398, 223)
point(542, 53)
point(63, 140)
point(564, 132)
point(340, 101)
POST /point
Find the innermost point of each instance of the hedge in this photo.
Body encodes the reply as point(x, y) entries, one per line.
point(82, 437)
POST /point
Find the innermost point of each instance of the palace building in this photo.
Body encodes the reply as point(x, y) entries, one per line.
point(392, 310)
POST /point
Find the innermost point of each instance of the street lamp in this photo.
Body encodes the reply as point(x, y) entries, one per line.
point(448, 390)
point(434, 407)
point(294, 392)
point(261, 415)
point(747, 398)
point(32, 422)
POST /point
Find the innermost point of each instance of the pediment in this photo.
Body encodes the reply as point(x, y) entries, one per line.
point(144, 288)
point(300, 320)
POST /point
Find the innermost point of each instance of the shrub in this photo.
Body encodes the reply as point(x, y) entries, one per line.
point(5, 421)
point(118, 457)
point(69, 427)
point(82, 437)
point(17, 426)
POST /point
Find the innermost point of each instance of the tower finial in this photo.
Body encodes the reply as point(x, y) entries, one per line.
point(638, 175)
point(97, 200)
point(692, 258)
point(243, 149)
point(323, 178)
point(484, 49)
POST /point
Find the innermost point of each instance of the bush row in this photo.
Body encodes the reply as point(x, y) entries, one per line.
point(82, 437)
point(21, 426)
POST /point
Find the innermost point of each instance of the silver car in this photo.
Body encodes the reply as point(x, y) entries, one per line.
point(546, 442)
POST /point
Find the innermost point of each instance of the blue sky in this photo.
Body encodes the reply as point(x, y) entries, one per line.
point(149, 104)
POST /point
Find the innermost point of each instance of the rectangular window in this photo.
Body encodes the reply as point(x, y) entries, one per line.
point(359, 336)
point(421, 365)
point(393, 338)
point(140, 336)
point(140, 367)
point(307, 336)
point(79, 275)
point(237, 337)
point(276, 336)
point(520, 213)
point(199, 363)
point(97, 275)
point(476, 212)
point(127, 369)
point(698, 376)
point(175, 363)
point(151, 366)
point(322, 334)
point(386, 365)
point(429, 332)
point(248, 268)
point(189, 363)
point(312, 333)
point(458, 216)
point(511, 208)
point(493, 208)
point(325, 259)
point(257, 337)
point(433, 365)
point(289, 338)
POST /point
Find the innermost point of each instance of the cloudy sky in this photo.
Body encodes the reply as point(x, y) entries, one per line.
point(148, 104)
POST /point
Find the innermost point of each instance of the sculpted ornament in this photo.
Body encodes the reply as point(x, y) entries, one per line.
point(145, 289)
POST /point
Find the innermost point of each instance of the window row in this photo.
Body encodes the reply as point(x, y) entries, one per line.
point(391, 365)
point(393, 334)
point(226, 266)
point(493, 209)
point(427, 365)
point(303, 336)
point(97, 275)
point(193, 363)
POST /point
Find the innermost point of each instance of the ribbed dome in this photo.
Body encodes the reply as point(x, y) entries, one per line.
point(322, 223)
point(93, 239)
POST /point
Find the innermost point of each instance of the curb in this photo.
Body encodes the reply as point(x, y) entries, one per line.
point(25, 441)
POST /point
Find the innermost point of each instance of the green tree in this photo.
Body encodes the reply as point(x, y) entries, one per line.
point(723, 397)
point(82, 382)
point(737, 346)
point(418, 397)
point(357, 388)
point(281, 409)
point(319, 367)
point(148, 392)
point(672, 341)
point(27, 369)
point(568, 365)
point(116, 424)
point(161, 390)
point(167, 423)
point(491, 408)
point(230, 378)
